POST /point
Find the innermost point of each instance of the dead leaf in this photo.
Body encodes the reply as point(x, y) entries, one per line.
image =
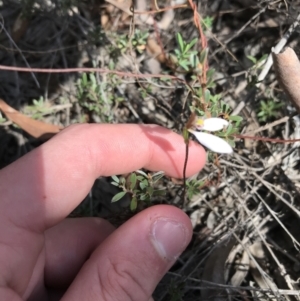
point(214, 271)
point(177, 181)
point(35, 128)
point(166, 20)
point(155, 50)
point(242, 269)
point(264, 281)
point(123, 5)
point(20, 27)
point(105, 21)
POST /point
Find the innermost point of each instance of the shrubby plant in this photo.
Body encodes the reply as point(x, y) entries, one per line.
point(138, 41)
point(268, 109)
point(210, 122)
point(141, 186)
point(96, 96)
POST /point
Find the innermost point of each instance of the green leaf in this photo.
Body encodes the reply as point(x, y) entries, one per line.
point(261, 113)
point(207, 95)
point(262, 58)
point(118, 196)
point(122, 181)
point(116, 179)
point(140, 178)
point(203, 56)
point(199, 112)
point(150, 190)
point(191, 44)
point(184, 65)
point(93, 80)
point(132, 180)
point(233, 131)
point(231, 142)
point(142, 173)
point(229, 129)
point(84, 79)
point(225, 107)
point(194, 60)
point(180, 41)
point(193, 52)
point(111, 65)
point(177, 52)
point(144, 197)
point(210, 72)
point(208, 21)
point(236, 118)
point(144, 184)
point(157, 176)
point(133, 204)
point(252, 59)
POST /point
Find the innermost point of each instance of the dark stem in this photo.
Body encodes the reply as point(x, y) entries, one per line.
point(184, 170)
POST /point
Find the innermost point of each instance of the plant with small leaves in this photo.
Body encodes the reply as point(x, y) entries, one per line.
point(138, 41)
point(95, 96)
point(213, 115)
point(211, 141)
point(184, 56)
point(207, 22)
point(268, 109)
point(193, 186)
point(139, 185)
point(38, 109)
point(257, 63)
point(253, 71)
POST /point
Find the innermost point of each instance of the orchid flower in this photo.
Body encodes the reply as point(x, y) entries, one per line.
point(212, 142)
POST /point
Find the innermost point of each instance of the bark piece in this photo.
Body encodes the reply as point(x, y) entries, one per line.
point(35, 128)
point(287, 68)
point(214, 271)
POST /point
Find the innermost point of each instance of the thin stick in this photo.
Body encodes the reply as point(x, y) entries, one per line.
point(274, 140)
point(184, 169)
point(268, 126)
point(20, 52)
point(279, 46)
point(100, 70)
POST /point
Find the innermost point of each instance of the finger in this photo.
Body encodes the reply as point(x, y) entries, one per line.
point(131, 261)
point(54, 178)
point(68, 245)
point(7, 293)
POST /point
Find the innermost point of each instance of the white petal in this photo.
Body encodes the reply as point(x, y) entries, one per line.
point(213, 143)
point(212, 124)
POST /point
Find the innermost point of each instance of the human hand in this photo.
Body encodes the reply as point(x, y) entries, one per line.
point(44, 256)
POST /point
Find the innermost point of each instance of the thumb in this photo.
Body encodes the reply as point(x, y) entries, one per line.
point(131, 261)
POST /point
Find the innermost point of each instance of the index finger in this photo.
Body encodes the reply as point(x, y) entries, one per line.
point(44, 186)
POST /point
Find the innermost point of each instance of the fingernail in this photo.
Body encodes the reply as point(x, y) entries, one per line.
point(169, 238)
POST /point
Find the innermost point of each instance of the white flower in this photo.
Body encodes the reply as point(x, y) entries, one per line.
point(211, 124)
point(212, 142)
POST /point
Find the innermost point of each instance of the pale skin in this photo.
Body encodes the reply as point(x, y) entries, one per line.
point(44, 256)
